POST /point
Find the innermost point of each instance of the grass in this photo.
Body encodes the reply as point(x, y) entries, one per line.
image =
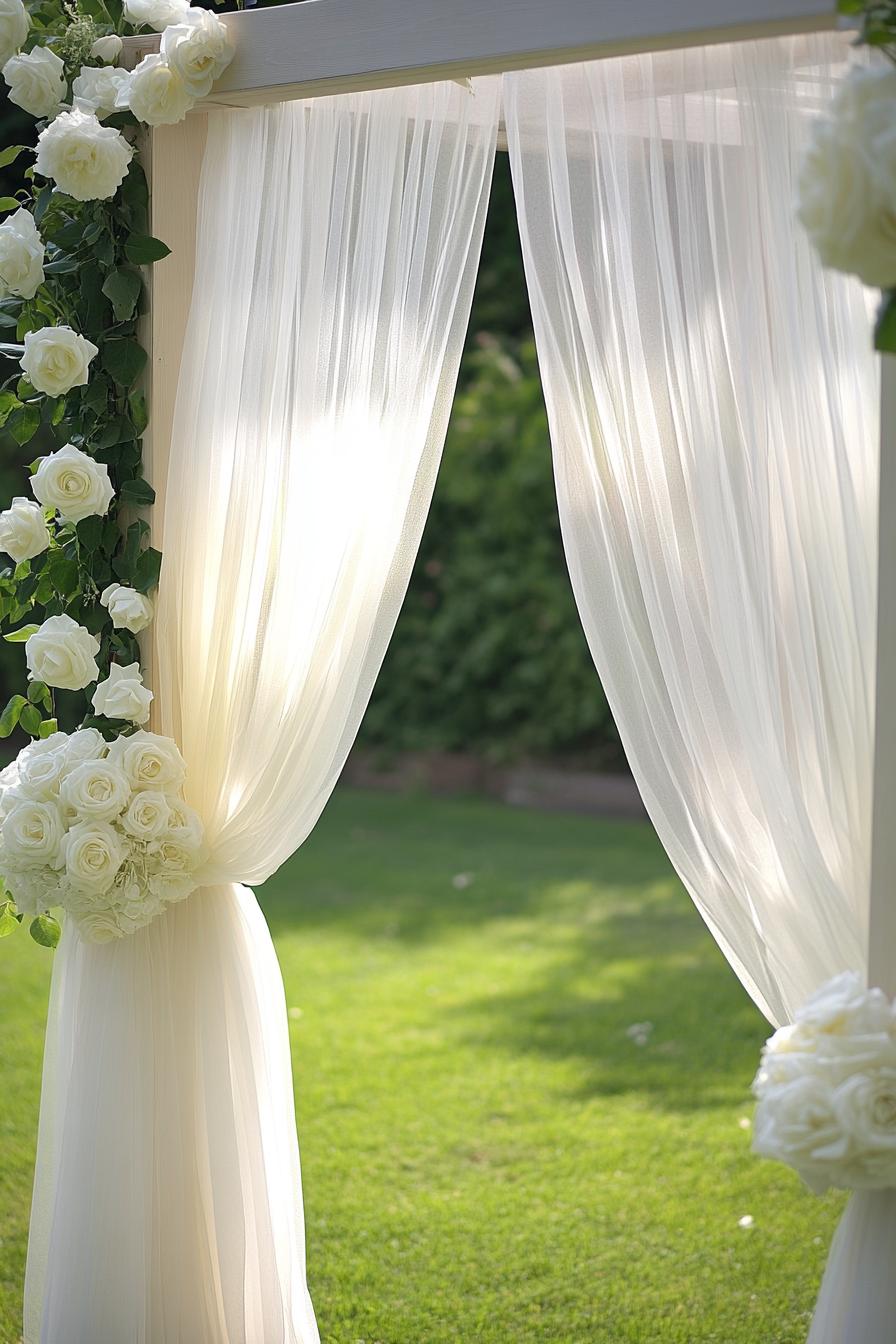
point(488, 1156)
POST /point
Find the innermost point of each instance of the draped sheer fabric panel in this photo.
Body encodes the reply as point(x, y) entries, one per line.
point(713, 404)
point(337, 247)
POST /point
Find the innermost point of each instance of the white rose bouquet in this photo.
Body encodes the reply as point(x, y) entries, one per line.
point(826, 1090)
point(846, 198)
point(99, 829)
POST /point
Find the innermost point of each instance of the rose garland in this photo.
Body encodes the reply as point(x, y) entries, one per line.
point(92, 820)
point(847, 181)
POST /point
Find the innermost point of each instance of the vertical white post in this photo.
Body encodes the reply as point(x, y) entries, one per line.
point(173, 163)
point(882, 904)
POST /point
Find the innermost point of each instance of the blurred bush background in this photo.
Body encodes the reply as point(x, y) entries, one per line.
point(488, 656)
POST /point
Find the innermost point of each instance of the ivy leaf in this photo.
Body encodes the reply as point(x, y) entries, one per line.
point(10, 155)
point(146, 570)
point(19, 636)
point(122, 288)
point(12, 713)
point(138, 492)
point(143, 250)
point(30, 720)
point(124, 360)
point(45, 930)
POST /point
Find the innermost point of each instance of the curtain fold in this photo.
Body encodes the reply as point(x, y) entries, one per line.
point(337, 247)
point(713, 405)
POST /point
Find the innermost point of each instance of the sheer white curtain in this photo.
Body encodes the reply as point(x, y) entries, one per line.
point(337, 249)
point(713, 404)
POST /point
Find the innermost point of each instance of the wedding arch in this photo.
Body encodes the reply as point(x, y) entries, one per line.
point(714, 406)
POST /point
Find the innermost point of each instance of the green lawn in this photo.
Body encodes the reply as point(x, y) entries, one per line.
point(489, 1157)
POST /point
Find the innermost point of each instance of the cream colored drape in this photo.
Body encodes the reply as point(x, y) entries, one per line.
point(337, 247)
point(713, 403)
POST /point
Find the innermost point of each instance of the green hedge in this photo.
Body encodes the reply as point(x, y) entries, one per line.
point(488, 655)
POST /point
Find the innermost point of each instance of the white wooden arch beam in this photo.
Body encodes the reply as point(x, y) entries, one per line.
point(340, 46)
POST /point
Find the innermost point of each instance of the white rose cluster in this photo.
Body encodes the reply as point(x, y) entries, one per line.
point(826, 1090)
point(195, 49)
point(847, 181)
point(100, 829)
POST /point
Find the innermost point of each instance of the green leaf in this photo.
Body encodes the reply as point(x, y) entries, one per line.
point(142, 250)
point(10, 155)
point(124, 360)
point(146, 570)
point(122, 289)
point(137, 407)
point(24, 423)
point(885, 325)
point(30, 720)
point(9, 402)
point(12, 713)
point(9, 203)
point(137, 492)
point(19, 636)
point(90, 531)
point(45, 930)
point(49, 727)
point(62, 266)
point(39, 692)
point(8, 921)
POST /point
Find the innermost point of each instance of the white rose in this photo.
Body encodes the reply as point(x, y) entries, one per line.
point(168, 887)
point(93, 853)
point(87, 744)
point(170, 858)
point(96, 88)
point(107, 49)
point(32, 832)
point(21, 256)
point(156, 93)
point(36, 81)
point(847, 180)
point(40, 773)
point(122, 695)
point(796, 1124)
point(156, 14)
point(184, 826)
point(56, 359)
point(95, 790)
point(85, 160)
point(843, 1006)
point(129, 609)
point(98, 926)
point(199, 49)
point(149, 761)
point(73, 484)
point(865, 1106)
point(14, 25)
point(63, 654)
point(23, 530)
point(146, 817)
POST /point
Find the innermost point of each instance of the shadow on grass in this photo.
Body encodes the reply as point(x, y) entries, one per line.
point(619, 942)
